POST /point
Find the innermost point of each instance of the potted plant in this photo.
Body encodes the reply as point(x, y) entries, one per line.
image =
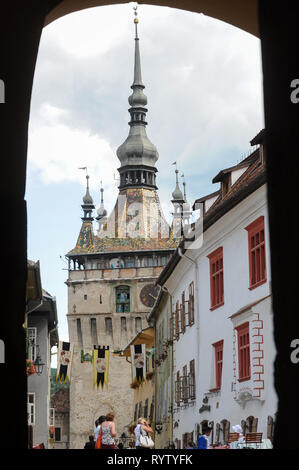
point(30, 367)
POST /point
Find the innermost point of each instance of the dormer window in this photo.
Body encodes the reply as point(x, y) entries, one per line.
point(226, 183)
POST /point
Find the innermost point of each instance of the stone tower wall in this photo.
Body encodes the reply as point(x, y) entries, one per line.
point(98, 286)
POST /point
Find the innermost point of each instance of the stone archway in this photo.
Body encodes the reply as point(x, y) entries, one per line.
point(244, 17)
point(21, 27)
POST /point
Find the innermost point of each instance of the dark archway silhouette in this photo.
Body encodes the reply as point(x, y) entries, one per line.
point(21, 24)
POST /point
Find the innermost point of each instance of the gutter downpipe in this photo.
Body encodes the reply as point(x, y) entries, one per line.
point(171, 376)
point(196, 292)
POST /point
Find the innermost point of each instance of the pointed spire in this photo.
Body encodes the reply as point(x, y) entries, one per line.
point(177, 193)
point(102, 213)
point(186, 207)
point(87, 199)
point(87, 205)
point(137, 64)
point(138, 98)
point(137, 154)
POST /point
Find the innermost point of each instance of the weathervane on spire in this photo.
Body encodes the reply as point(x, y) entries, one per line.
point(136, 21)
point(87, 177)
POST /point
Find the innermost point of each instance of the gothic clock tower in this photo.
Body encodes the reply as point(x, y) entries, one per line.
point(112, 274)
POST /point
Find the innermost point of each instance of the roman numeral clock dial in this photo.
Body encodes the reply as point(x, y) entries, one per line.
point(149, 294)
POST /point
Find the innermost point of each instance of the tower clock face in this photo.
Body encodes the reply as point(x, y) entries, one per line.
point(149, 294)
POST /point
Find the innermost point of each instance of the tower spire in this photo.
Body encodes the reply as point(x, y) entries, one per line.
point(137, 154)
point(102, 213)
point(87, 205)
point(137, 63)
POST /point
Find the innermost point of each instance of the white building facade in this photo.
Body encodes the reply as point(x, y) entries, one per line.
point(224, 357)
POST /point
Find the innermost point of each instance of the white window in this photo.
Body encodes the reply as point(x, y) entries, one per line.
point(31, 408)
point(32, 333)
point(51, 417)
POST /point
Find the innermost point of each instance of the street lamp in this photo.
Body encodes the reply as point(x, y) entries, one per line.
point(38, 364)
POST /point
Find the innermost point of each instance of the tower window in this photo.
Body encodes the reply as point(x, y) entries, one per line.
point(93, 331)
point(122, 299)
point(138, 324)
point(79, 333)
point(123, 321)
point(108, 325)
point(130, 263)
point(85, 297)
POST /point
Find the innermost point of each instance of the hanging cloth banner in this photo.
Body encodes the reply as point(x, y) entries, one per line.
point(100, 366)
point(150, 352)
point(64, 361)
point(86, 355)
point(138, 362)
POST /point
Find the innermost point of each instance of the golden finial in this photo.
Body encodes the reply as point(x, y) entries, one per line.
point(135, 13)
point(136, 21)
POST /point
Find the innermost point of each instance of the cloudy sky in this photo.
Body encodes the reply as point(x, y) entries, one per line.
point(204, 86)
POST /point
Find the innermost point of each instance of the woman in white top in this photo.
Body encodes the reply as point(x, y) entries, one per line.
point(142, 428)
point(98, 426)
point(108, 432)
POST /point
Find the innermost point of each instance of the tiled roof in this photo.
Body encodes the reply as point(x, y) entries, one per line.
point(136, 212)
point(255, 168)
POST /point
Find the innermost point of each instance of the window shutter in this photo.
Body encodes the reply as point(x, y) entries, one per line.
point(145, 413)
point(191, 304)
point(171, 319)
point(192, 380)
point(257, 253)
point(177, 331)
point(177, 389)
point(151, 415)
point(218, 351)
point(183, 324)
point(57, 434)
point(32, 335)
point(185, 385)
point(244, 351)
point(216, 278)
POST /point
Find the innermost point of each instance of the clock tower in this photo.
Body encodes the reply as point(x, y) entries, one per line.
point(112, 274)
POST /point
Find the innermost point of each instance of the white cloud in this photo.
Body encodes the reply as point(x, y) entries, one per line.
point(57, 151)
point(94, 31)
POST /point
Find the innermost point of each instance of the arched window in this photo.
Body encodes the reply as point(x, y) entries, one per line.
point(225, 430)
point(122, 294)
point(270, 427)
point(138, 324)
point(251, 424)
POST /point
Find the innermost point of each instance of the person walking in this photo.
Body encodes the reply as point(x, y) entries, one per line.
point(204, 441)
point(142, 428)
point(97, 431)
point(108, 432)
point(97, 426)
point(90, 444)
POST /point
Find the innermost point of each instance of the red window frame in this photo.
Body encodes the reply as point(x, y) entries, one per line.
point(244, 352)
point(218, 351)
point(257, 253)
point(216, 278)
